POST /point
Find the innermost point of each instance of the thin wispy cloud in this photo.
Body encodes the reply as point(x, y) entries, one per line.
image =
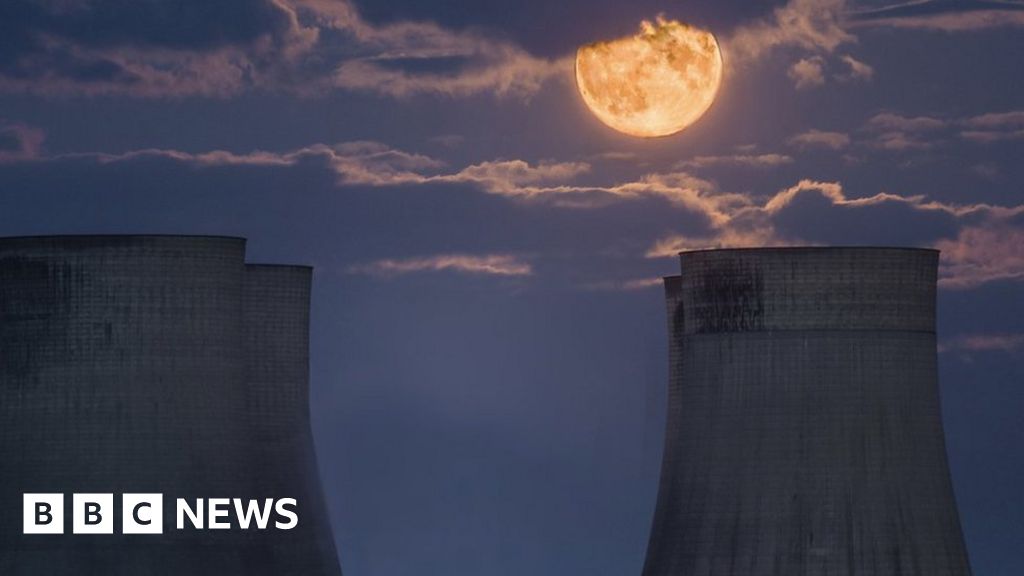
point(727, 237)
point(376, 165)
point(897, 133)
point(485, 65)
point(1013, 120)
point(307, 47)
point(821, 139)
point(315, 47)
point(811, 25)
point(944, 15)
point(486, 265)
point(982, 342)
point(818, 28)
point(20, 142)
point(986, 245)
point(857, 70)
point(889, 121)
point(737, 160)
point(893, 132)
point(989, 245)
point(982, 254)
point(815, 30)
point(812, 72)
point(807, 72)
point(990, 136)
point(994, 127)
point(630, 285)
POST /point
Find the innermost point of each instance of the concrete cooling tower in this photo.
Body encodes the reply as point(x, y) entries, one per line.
point(804, 435)
point(156, 364)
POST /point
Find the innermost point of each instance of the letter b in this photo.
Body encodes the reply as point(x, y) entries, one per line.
point(42, 514)
point(92, 514)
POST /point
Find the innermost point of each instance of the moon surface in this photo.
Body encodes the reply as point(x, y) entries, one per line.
point(654, 83)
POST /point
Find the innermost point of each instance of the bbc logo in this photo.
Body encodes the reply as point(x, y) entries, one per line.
point(144, 513)
point(92, 514)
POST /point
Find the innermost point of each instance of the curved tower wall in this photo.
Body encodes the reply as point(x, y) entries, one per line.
point(804, 432)
point(276, 300)
point(123, 366)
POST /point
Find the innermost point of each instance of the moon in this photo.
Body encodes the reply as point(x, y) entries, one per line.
point(655, 83)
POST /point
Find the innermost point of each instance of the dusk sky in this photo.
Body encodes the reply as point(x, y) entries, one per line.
point(489, 359)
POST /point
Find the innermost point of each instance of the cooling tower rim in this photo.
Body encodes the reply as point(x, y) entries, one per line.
point(273, 265)
point(75, 242)
point(813, 249)
point(119, 236)
point(71, 238)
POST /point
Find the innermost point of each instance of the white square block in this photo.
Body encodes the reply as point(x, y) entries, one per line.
point(42, 514)
point(92, 514)
point(142, 514)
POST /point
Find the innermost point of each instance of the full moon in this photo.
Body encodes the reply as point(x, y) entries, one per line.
point(654, 83)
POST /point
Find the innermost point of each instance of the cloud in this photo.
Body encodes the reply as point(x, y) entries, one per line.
point(989, 136)
point(901, 141)
point(368, 163)
point(981, 242)
point(504, 72)
point(807, 72)
point(377, 165)
point(641, 283)
point(834, 192)
point(895, 132)
point(517, 177)
point(999, 342)
point(944, 15)
point(987, 170)
point(222, 49)
point(981, 254)
point(820, 139)
point(624, 285)
point(488, 264)
point(818, 28)
point(618, 156)
point(145, 49)
point(741, 160)
point(898, 133)
point(20, 142)
point(888, 121)
point(857, 70)
point(813, 30)
point(810, 72)
point(811, 25)
point(993, 127)
point(313, 47)
point(728, 237)
point(1012, 120)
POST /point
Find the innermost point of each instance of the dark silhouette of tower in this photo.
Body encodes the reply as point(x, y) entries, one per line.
point(156, 364)
point(804, 434)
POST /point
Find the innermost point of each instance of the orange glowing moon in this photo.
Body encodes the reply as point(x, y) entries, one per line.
point(653, 84)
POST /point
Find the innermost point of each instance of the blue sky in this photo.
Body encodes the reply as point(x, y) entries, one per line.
point(489, 362)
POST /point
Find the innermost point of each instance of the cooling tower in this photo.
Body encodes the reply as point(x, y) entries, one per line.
point(156, 364)
point(804, 434)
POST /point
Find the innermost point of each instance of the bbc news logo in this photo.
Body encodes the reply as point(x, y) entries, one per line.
point(143, 514)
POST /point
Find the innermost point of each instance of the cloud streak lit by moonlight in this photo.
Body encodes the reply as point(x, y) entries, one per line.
point(655, 83)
